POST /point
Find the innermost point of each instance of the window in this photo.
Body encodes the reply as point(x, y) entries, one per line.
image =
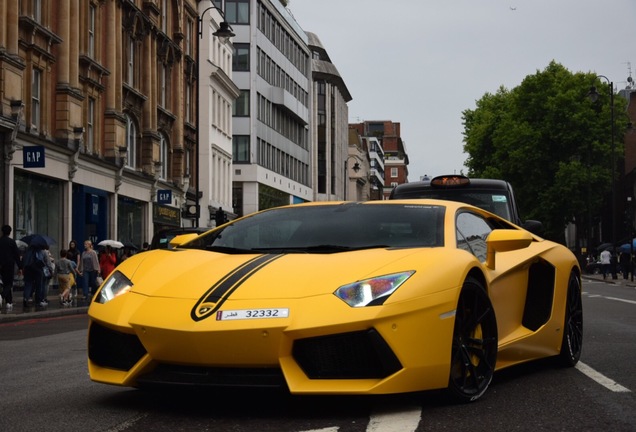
point(472, 231)
point(131, 142)
point(130, 70)
point(237, 11)
point(163, 157)
point(241, 148)
point(164, 16)
point(163, 85)
point(91, 31)
point(189, 37)
point(241, 58)
point(188, 102)
point(394, 172)
point(37, 11)
point(90, 126)
point(36, 89)
point(242, 104)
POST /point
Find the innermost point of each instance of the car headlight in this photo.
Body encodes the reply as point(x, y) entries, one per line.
point(116, 285)
point(371, 292)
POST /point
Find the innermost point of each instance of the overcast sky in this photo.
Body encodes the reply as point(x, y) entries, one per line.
point(422, 62)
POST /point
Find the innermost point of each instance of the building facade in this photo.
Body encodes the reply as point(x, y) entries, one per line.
point(330, 126)
point(98, 117)
point(271, 141)
point(217, 94)
point(388, 157)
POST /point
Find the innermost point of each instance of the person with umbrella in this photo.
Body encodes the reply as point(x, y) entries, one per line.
point(9, 260)
point(107, 261)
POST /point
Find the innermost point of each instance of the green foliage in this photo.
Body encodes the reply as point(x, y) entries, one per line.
point(550, 141)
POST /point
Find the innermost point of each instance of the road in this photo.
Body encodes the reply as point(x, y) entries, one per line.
point(44, 386)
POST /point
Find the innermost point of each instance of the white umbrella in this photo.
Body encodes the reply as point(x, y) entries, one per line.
point(21, 245)
point(112, 243)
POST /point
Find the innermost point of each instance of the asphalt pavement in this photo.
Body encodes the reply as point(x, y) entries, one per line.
point(55, 308)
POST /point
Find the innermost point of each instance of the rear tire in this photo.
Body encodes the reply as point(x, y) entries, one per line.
point(572, 343)
point(474, 350)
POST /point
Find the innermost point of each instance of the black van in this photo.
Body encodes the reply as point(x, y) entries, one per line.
point(496, 196)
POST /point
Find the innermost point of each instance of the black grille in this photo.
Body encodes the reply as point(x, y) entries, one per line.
point(356, 355)
point(113, 349)
point(175, 375)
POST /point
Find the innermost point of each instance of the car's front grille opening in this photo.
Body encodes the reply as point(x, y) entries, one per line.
point(356, 355)
point(199, 376)
point(112, 349)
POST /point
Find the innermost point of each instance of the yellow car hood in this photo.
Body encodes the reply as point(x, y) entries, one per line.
point(188, 274)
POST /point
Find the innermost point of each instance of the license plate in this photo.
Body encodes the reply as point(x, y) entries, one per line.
point(241, 314)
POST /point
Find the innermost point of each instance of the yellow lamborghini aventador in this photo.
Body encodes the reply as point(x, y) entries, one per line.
point(340, 298)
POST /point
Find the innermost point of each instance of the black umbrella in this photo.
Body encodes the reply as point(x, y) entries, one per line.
point(603, 246)
point(130, 245)
point(38, 240)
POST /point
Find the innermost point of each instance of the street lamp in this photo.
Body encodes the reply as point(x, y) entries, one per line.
point(594, 95)
point(224, 33)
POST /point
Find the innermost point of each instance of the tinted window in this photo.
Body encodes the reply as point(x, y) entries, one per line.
point(339, 226)
point(497, 201)
point(472, 231)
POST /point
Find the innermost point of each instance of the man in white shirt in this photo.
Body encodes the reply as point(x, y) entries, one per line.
point(606, 258)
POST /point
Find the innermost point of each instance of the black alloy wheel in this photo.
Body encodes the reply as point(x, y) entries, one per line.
point(474, 350)
point(573, 326)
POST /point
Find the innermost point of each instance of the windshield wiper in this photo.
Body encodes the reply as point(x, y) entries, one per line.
point(228, 249)
point(326, 248)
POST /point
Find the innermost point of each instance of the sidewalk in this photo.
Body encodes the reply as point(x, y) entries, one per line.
point(54, 309)
point(620, 281)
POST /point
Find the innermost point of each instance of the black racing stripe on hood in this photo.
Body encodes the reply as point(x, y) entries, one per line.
point(214, 297)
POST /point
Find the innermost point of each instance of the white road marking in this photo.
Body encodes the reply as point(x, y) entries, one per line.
point(402, 421)
point(621, 300)
point(610, 298)
point(601, 379)
point(328, 429)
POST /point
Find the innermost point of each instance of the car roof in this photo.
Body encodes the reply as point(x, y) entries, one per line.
point(162, 237)
point(475, 183)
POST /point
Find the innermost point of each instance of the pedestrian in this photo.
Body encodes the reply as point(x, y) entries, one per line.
point(614, 265)
point(606, 257)
point(107, 261)
point(9, 262)
point(37, 272)
point(624, 261)
point(89, 269)
point(72, 253)
point(65, 277)
point(145, 247)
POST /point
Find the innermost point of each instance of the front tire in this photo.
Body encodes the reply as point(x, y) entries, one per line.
point(572, 343)
point(474, 350)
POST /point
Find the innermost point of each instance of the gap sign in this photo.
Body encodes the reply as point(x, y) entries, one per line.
point(164, 196)
point(33, 156)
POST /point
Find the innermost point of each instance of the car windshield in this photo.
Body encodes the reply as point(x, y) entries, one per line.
point(329, 229)
point(494, 201)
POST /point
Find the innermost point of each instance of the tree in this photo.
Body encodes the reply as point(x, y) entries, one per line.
point(551, 142)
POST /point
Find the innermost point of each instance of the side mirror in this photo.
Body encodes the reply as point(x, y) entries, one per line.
point(504, 240)
point(534, 226)
point(181, 239)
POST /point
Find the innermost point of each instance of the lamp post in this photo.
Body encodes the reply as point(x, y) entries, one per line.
point(223, 33)
point(594, 95)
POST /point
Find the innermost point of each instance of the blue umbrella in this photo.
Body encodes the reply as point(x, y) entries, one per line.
point(626, 248)
point(38, 240)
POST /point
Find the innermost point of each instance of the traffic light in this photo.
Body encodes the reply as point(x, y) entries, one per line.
point(220, 217)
